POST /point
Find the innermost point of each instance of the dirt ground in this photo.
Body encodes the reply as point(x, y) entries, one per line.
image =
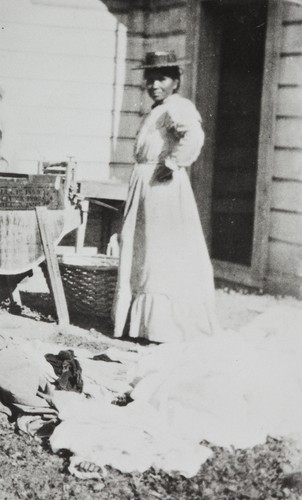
point(30, 471)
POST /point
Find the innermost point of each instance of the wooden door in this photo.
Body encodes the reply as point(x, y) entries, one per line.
point(234, 94)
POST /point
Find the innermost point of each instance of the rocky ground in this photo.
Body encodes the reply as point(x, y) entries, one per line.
point(30, 471)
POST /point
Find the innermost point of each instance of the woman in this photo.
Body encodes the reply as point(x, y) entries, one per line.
point(165, 288)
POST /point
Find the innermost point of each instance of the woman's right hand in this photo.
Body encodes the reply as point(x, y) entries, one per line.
point(163, 174)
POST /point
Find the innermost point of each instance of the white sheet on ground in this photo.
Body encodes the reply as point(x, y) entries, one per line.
point(229, 389)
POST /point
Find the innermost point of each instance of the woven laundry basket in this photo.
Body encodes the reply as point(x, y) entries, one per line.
point(89, 283)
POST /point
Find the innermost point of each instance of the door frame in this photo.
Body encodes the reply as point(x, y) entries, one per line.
point(247, 275)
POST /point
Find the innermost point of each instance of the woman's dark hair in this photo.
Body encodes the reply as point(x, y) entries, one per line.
point(173, 72)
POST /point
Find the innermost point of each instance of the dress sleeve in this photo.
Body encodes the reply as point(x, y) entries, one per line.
point(184, 122)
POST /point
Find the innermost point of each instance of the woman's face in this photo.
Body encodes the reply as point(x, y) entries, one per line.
point(160, 86)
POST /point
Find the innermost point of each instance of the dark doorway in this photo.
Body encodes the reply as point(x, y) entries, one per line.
point(233, 33)
point(237, 131)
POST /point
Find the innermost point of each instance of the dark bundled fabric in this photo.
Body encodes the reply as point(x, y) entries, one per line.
point(104, 357)
point(67, 369)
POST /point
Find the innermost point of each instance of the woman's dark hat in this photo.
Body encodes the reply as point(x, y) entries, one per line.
point(161, 60)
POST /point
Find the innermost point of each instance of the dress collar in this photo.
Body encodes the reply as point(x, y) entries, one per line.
point(169, 98)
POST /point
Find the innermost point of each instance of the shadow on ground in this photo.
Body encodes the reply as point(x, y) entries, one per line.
point(40, 306)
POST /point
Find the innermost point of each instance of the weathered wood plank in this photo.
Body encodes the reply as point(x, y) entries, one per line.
point(292, 38)
point(277, 283)
point(266, 141)
point(128, 124)
point(286, 226)
point(287, 196)
point(291, 70)
point(164, 22)
point(288, 164)
point(52, 267)
point(123, 6)
point(289, 132)
point(292, 12)
point(174, 42)
point(235, 273)
point(161, 5)
point(285, 257)
point(107, 190)
point(132, 100)
point(123, 151)
point(290, 100)
point(134, 20)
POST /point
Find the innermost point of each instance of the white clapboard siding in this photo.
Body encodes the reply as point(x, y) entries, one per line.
point(74, 4)
point(84, 148)
point(56, 94)
point(289, 132)
point(64, 68)
point(51, 15)
point(291, 70)
point(79, 42)
point(285, 258)
point(49, 147)
point(89, 170)
point(80, 122)
point(286, 226)
point(57, 40)
point(292, 12)
point(288, 164)
point(75, 95)
point(290, 101)
point(121, 171)
point(52, 67)
point(287, 195)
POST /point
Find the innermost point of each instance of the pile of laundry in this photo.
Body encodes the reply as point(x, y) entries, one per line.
point(153, 406)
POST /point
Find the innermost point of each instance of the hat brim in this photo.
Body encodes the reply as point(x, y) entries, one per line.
point(164, 65)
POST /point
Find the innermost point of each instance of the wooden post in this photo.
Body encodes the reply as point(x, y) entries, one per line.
point(80, 237)
point(14, 295)
point(53, 268)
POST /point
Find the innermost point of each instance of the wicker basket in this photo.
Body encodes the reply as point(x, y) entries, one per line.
point(89, 283)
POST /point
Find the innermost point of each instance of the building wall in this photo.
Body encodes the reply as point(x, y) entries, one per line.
point(285, 237)
point(156, 25)
point(169, 27)
point(65, 67)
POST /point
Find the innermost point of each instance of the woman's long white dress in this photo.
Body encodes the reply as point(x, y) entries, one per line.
point(165, 275)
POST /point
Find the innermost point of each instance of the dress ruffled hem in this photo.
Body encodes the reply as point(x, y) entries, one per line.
point(161, 318)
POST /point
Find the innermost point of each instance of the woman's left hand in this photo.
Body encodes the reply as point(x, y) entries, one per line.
point(163, 174)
